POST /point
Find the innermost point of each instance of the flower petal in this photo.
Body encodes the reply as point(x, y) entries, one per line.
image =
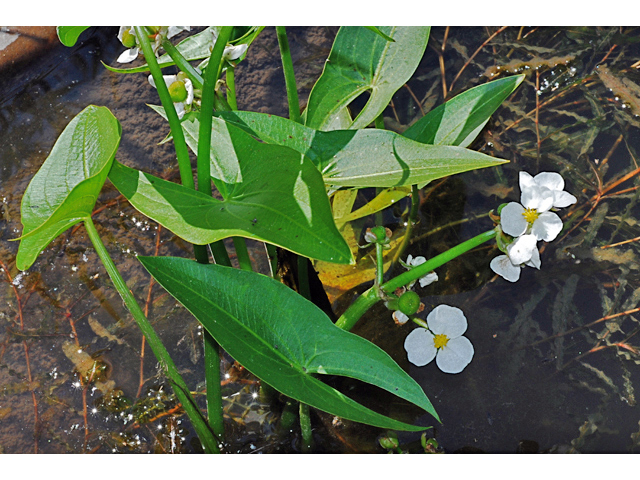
point(173, 31)
point(455, 356)
point(563, 199)
point(525, 180)
point(414, 262)
point(128, 55)
point(233, 52)
point(189, 86)
point(503, 267)
point(521, 249)
point(428, 279)
point(547, 226)
point(420, 347)
point(535, 259)
point(512, 221)
point(551, 180)
point(540, 198)
point(399, 317)
point(447, 320)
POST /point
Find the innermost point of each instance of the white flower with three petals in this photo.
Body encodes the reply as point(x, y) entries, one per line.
point(443, 341)
point(523, 251)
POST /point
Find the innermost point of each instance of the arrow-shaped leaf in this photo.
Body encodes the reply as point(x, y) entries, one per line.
point(66, 187)
point(460, 120)
point(277, 200)
point(363, 158)
point(360, 61)
point(284, 339)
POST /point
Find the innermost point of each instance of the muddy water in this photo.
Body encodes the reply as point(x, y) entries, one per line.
point(545, 377)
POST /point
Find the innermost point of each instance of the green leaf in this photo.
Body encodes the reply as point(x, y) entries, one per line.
point(195, 47)
point(361, 61)
point(69, 35)
point(64, 191)
point(383, 35)
point(284, 339)
point(277, 200)
point(363, 158)
point(460, 120)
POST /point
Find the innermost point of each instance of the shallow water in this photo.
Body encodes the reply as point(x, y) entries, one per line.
point(571, 392)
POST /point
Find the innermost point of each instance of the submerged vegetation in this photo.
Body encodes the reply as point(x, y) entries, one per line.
point(378, 203)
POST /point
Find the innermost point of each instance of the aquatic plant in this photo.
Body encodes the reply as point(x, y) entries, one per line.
point(282, 181)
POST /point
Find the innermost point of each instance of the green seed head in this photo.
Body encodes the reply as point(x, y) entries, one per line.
point(178, 91)
point(409, 303)
point(380, 233)
point(128, 39)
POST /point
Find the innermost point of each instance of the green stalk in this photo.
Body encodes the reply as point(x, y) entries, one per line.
point(182, 152)
point(411, 221)
point(211, 347)
point(231, 88)
point(179, 386)
point(206, 112)
point(183, 64)
point(305, 427)
point(242, 253)
point(303, 277)
point(289, 76)
point(369, 298)
point(272, 253)
point(379, 265)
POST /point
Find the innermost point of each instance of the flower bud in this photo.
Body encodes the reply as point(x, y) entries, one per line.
point(178, 91)
point(389, 441)
point(128, 39)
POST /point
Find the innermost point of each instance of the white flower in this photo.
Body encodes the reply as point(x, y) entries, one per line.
point(234, 52)
point(128, 55)
point(425, 280)
point(521, 252)
point(442, 341)
point(551, 180)
point(180, 106)
point(532, 216)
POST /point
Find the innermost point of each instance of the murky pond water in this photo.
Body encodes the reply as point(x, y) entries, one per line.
point(556, 360)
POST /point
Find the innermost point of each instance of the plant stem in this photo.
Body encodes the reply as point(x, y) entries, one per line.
point(182, 152)
point(179, 386)
point(183, 64)
point(211, 347)
point(206, 112)
point(411, 221)
point(289, 76)
point(231, 88)
point(379, 265)
point(305, 427)
point(242, 253)
point(369, 298)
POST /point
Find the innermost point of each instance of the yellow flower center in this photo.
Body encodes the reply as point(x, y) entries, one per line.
point(530, 215)
point(440, 340)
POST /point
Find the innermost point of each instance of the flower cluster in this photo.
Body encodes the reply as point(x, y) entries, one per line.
point(127, 36)
point(529, 221)
point(442, 340)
